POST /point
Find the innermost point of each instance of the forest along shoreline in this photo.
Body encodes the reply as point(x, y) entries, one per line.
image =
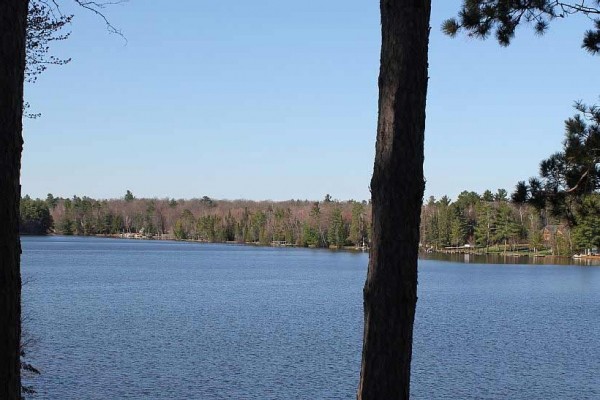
point(472, 225)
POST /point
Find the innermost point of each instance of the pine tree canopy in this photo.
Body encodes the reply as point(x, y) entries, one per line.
point(568, 176)
point(480, 18)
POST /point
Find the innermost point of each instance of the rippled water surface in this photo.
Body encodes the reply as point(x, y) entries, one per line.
point(124, 319)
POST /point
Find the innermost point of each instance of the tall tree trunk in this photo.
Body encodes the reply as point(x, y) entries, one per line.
point(13, 17)
point(390, 293)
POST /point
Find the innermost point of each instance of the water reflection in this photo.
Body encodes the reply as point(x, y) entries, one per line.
point(507, 259)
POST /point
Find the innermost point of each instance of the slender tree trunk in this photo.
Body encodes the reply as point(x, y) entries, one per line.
point(390, 293)
point(13, 17)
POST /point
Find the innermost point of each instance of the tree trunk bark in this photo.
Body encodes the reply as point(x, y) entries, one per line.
point(390, 293)
point(13, 18)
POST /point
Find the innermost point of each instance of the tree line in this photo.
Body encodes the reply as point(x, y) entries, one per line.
point(491, 220)
point(327, 223)
point(485, 221)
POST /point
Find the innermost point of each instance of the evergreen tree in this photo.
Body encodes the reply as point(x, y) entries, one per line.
point(66, 227)
point(521, 193)
point(310, 236)
point(568, 175)
point(117, 224)
point(586, 233)
point(129, 196)
point(481, 17)
point(458, 226)
point(259, 228)
point(317, 221)
point(466, 204)
point(537, 197)
point(206, 228)
point(34, 218)
point(207, 201)
point(432, 236)
point(444, 222)
point(279, 224)
point(357, 225)
point(501, 195)
point(337, 230)
point(485, 224)
point(487, 196)
point(576, 169)
point(51, 201)
point(425, 234)
point(506, 227)
point(229, 224)
point(244, 228)
point(179, 230)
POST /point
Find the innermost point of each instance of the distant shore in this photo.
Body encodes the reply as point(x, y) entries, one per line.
point(172, 238)
point(425, 253)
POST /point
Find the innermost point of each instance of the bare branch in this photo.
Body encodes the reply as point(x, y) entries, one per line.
point(95, 7)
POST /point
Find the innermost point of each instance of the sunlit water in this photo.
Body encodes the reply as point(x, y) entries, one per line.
point(167, 320)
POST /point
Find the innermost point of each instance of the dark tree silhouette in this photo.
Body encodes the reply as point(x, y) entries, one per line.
point(521, 193)
point(482, 17)
point(397, 186)
point(13, 18)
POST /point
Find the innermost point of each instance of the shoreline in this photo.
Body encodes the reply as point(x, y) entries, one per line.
point(171, 238)
point(422, 254)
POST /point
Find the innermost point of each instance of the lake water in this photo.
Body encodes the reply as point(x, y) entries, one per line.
point(119, 319)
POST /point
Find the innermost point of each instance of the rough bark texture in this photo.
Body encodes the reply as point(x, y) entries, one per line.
point(390, 293)
point(13, 17)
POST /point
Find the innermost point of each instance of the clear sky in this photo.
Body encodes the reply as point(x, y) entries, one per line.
point(271, 99)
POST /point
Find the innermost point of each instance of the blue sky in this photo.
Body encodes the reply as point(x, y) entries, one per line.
point(270, 99)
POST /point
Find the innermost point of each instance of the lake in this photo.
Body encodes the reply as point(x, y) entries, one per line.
point(127, 319)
